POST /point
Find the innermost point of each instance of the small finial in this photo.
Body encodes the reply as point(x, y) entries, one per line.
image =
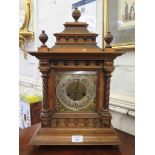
point(108, 39)
point(43, 38)
point(76, 14)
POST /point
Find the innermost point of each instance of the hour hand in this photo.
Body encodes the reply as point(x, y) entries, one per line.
point(75, 94)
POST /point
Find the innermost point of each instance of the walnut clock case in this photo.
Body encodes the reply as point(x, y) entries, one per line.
point(76, 86)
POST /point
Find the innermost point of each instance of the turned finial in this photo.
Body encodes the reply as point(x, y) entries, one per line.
point(76, 14)
point(43, 38)
point(108, 39)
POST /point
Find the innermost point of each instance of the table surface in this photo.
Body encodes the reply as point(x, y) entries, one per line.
point(126, 148)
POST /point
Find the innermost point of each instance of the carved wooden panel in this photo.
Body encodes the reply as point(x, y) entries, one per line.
point(76, 64)
point(76, 122)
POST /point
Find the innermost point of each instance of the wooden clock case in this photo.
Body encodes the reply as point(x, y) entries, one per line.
point(75, 50)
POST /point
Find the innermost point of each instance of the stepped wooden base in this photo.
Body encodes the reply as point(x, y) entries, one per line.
point(63, 136)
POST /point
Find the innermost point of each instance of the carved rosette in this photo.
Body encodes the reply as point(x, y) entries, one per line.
point(46, 112)
point(108, 69)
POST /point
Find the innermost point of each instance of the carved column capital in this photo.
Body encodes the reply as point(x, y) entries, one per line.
point(105, 114)
point(108, 67)
point(44, 66)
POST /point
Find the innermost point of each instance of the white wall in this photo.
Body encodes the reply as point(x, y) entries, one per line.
point(122, 103)
point(50, 15)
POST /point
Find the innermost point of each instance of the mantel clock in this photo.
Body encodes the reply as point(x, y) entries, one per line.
point(76, 86)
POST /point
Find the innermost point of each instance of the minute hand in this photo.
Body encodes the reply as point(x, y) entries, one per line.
point(76, 90)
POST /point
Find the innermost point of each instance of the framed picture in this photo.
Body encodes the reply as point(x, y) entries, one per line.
point(119, 19)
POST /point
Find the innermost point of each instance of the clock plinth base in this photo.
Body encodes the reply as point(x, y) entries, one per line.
point(63, 136)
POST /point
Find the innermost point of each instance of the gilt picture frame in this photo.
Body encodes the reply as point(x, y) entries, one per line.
point(25, 20)
point(119, 19)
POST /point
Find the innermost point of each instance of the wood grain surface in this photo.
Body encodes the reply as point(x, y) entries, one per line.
point(126, 148)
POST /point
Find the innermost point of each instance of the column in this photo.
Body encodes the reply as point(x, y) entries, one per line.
point(46, 112)
point(108, 69)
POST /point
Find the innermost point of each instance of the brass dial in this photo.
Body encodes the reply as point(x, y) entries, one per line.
point(76, 91)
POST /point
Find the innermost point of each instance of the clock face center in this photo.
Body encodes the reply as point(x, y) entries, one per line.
point(76, 91)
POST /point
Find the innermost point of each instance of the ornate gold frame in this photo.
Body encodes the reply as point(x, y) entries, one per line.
point(24, 33)
point(121, 46)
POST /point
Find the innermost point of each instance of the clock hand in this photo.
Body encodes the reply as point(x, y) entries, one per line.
point(76, 90)
point(77, 85)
